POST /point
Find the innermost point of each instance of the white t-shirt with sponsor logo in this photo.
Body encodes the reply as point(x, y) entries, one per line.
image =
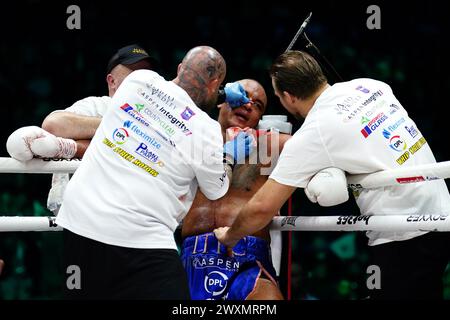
point(140, 174)
point(360, 127)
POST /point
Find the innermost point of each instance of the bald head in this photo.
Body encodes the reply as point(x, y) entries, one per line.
point(206, 62)
point(200, 74)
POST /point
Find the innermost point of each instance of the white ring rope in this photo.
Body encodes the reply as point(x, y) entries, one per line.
point(14, 224)
point(427, 172)
point(398, 223)
point(387, 223)
point(10, 165)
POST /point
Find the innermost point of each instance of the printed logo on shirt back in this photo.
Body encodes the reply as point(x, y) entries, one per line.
point(120, 135)
point(142, 134)
point(187, 113)
point(393, 108)
point(412, 131)
point(373, 124)
point(134, 114)
point(143, 151)
point(139, 107)
point(395, 142)
point(362, 89)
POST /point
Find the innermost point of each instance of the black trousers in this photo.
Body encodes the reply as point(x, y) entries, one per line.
point(95, 270)
point(412, 269)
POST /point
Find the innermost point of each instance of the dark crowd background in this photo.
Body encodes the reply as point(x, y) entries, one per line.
point(44, 66)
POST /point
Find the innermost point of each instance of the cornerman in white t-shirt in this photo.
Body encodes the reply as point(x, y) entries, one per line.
point(359, 127)
point(153, 148)
point(67, 133)
point(83, 117)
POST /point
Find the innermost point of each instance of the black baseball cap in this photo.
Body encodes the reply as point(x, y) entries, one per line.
point(129, 55)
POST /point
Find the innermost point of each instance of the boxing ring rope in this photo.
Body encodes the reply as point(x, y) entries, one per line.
point(10, 165)
point(15, 224)
point(389, 223)
point(398, 223)
point(385, 223)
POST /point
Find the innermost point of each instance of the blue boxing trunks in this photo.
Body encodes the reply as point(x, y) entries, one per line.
point(214, 275)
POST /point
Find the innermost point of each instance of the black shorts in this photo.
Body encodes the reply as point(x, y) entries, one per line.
point(113, 272)
point(412, 269)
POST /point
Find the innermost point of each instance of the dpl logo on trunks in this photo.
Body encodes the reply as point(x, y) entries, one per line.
point(215, 283)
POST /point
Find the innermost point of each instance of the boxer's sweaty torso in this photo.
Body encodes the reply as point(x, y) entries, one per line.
point(206, 215)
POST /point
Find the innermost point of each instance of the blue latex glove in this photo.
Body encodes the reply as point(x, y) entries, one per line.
point(240, 147)
point(235, 94)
